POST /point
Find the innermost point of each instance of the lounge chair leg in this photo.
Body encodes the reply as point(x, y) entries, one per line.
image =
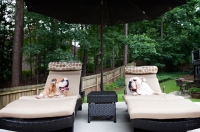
point(88, 118)
point(140, 130)
point(69, 129)
point(115, 117)
point(80, 108)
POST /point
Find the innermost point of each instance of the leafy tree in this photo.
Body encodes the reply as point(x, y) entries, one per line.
point(18, 43)
point(142, 47)
point(6, 39)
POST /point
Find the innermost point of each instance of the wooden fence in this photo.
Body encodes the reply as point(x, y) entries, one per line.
point(89, 83)
point(8, 95)
point(92, 83)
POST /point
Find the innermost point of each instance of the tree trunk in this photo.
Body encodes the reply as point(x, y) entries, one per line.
point(113, 59)
point(39, 69)
point(161, 29)
point(161, 26)
point(84, 59)
point(96, 63)
point(17, 43)
point(30, 55)
point(84, 63)
point(126, 46)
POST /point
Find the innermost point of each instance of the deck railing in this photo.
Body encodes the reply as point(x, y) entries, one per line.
point(89, 83)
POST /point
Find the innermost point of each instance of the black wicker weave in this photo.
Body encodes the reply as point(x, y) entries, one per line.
point(167, 125)
point(102, 103)
point(65, 123)
point(102, 97)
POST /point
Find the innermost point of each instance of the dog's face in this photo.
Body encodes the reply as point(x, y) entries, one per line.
point(53, 81)
point(135, 83)
point(63, 84)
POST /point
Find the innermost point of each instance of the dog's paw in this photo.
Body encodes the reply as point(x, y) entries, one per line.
point(60, 96)
point(135, 94)
point(50, 95)
point(39, 97)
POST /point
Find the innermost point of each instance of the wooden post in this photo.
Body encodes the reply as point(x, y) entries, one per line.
point(97, 89)
point(199, 53)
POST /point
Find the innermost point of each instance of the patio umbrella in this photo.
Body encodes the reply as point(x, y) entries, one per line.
point(102, 12)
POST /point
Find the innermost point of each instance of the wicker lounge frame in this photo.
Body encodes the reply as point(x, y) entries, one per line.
point(62, 123)
point(168, 125)
point(65, 123)
point(158, 125)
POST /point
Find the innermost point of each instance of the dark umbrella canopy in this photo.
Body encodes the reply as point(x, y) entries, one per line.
point(102, 12)
point(90, 11)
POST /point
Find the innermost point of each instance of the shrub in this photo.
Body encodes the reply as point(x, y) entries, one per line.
point(194, 90)
point(7, 75)
point(90, 67)
point(119, 83)
point(110, 87)
point(26, 73)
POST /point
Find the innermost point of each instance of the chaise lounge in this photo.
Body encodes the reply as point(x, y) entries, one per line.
point(162, 113)
point(47, 114)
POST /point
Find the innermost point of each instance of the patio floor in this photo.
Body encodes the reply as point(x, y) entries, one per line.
point(103, 125)
point(122, 125)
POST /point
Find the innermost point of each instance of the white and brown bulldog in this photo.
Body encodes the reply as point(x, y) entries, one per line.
point(62, 88)
point(59, 87)
point(138, 86)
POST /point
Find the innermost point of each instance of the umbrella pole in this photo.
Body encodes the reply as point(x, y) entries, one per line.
point(101, 86)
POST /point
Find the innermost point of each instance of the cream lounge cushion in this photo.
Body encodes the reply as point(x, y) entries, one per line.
point(152, 97)
point(33, 97)
point(162, 109)
point(39, 108)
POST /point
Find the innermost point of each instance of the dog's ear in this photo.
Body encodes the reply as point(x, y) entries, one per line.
point(58, 79)
point(143, 79)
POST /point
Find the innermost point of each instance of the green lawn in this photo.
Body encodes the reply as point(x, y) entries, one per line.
point(170, 86)
point(120, 94)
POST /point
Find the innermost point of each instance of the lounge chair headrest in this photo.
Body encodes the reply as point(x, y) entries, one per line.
point(141, 69)
point(65, 66)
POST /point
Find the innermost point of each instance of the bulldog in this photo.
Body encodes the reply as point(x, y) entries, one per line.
point(57, 88)
point(49, 91)
point(138, 86)
point(62, 87)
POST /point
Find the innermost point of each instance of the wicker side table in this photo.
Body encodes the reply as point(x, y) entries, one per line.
point(102, 103)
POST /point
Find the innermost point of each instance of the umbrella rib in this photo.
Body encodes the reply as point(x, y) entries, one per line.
point(76, 11)
point(107, 11)
point(180, 1)
point(138, 8)
point(41, 4)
